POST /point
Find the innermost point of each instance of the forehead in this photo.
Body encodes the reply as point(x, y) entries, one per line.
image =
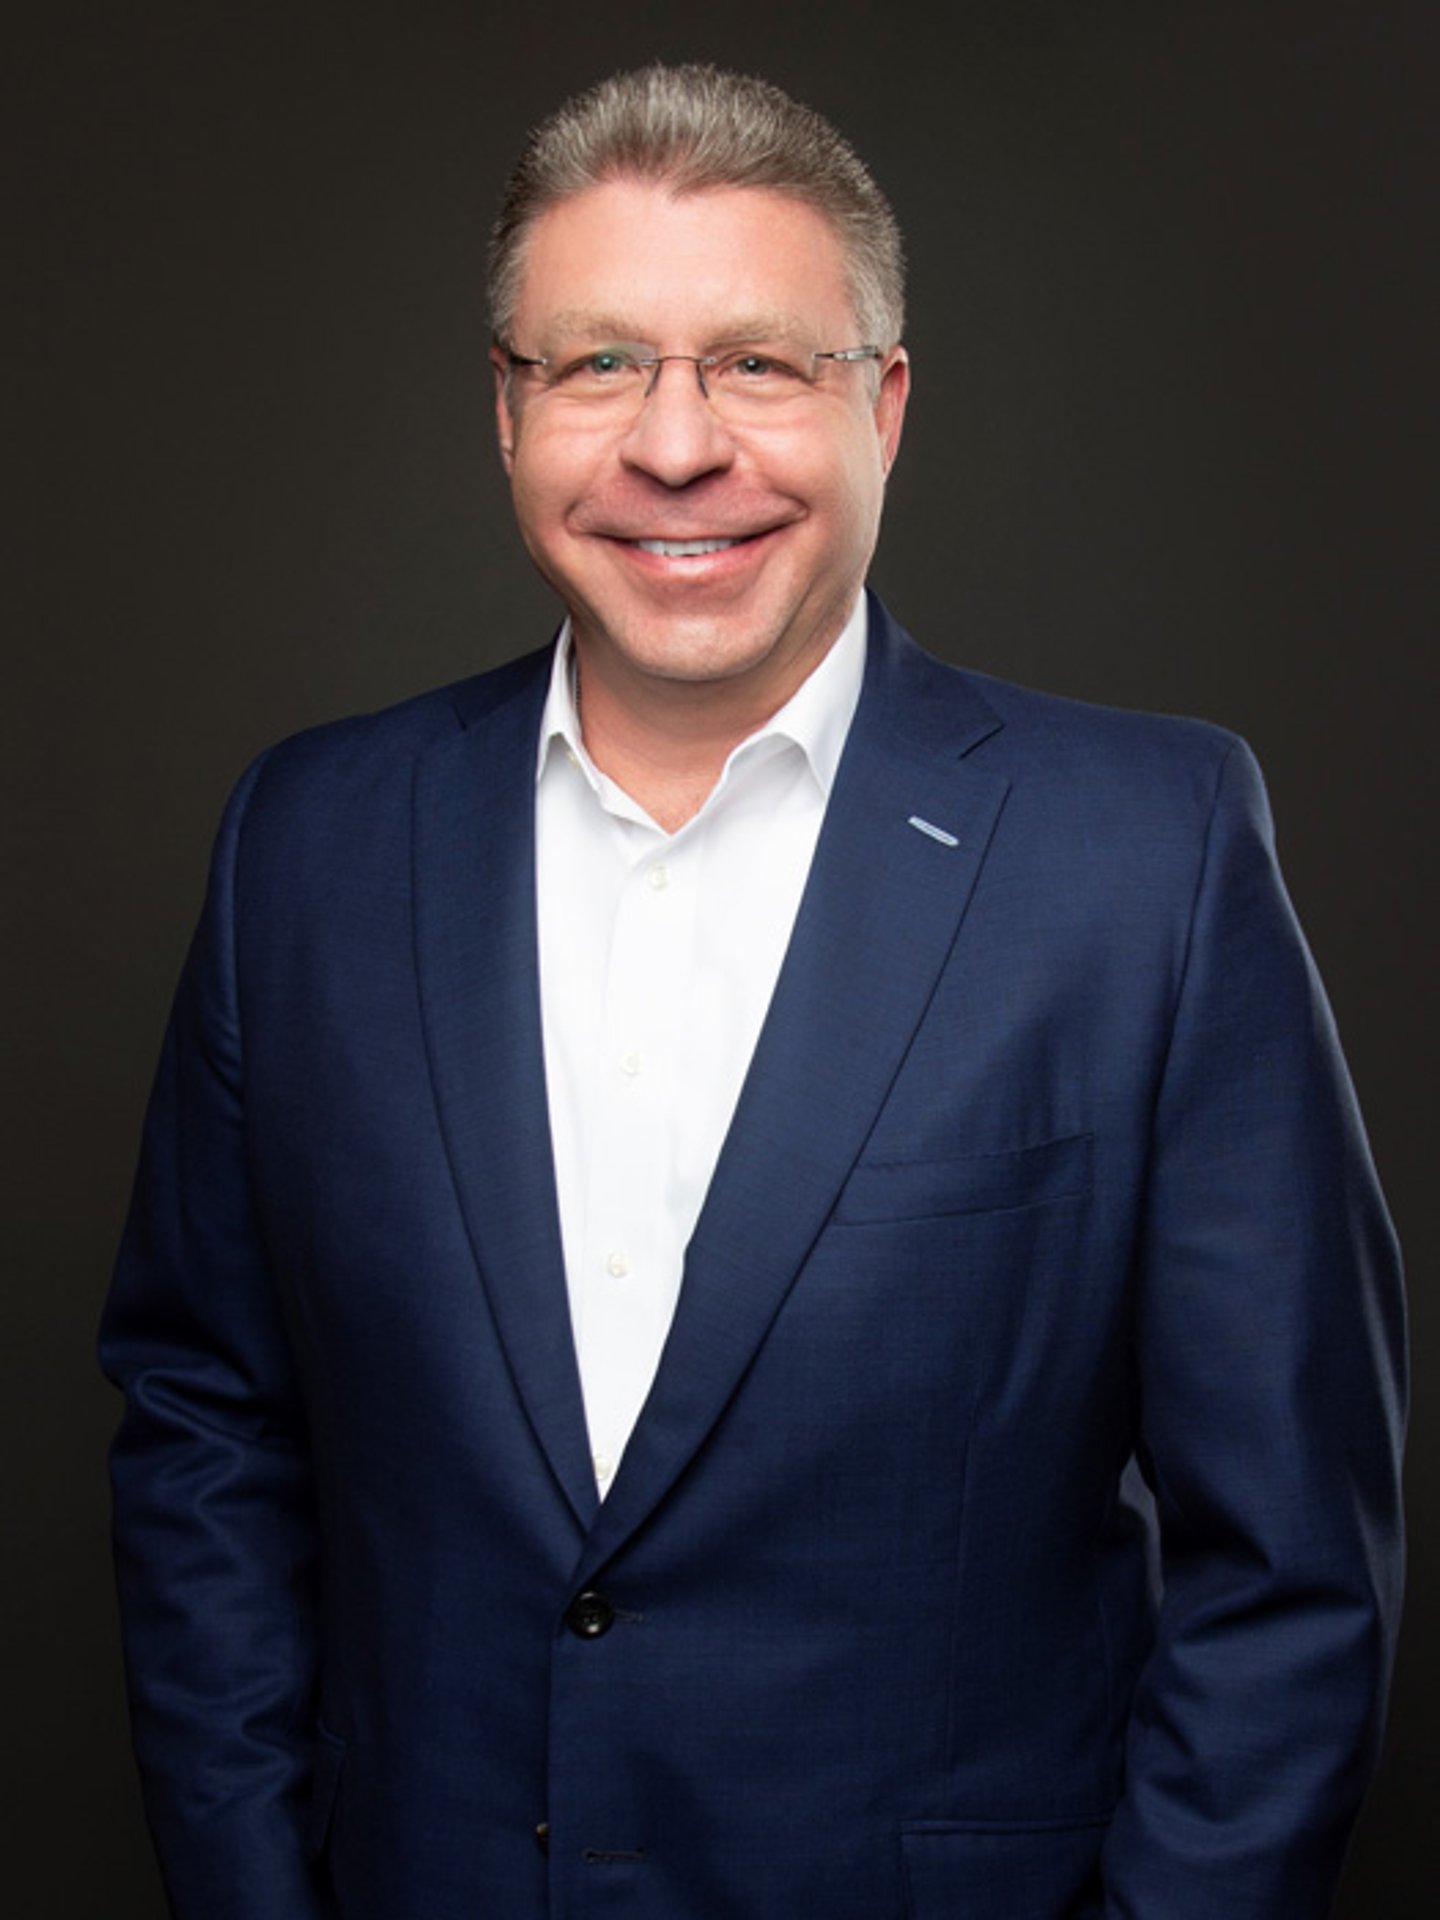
point(634, 256)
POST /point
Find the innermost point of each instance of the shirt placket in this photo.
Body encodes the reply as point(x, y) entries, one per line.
point(632, 1268)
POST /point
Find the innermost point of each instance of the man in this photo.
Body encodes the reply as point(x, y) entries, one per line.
point(755, 1290)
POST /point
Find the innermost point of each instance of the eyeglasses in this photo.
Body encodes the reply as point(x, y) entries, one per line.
point(615, 380)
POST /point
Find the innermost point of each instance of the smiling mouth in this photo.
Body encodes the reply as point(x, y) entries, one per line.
point(685, 549)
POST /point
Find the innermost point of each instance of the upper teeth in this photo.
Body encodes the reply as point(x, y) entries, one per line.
point(680, 549)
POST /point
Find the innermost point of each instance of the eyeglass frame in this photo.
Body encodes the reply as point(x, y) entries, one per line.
point(653, 362)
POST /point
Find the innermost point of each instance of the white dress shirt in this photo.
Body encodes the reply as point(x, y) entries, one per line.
point(658, 956)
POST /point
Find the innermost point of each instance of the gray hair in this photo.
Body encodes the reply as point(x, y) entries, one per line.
point(695, 127)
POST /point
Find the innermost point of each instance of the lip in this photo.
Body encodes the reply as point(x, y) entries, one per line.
point(731, 564)
point(633, 533)
point(696, 549)
point(745, 549)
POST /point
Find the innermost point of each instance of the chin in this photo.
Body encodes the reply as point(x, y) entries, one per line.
point(696, 651)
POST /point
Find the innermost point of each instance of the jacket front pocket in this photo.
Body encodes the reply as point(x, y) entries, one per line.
point(1039, 1871)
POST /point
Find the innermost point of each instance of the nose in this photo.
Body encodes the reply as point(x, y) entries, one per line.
point(676, 436)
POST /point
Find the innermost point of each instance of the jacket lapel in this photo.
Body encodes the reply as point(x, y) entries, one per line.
point(475, 941)
point(880, 913)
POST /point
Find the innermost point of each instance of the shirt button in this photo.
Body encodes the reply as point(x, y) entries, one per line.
point(658, 876)
point(604, 1469)
point(630, 1064)
point(617, 1266)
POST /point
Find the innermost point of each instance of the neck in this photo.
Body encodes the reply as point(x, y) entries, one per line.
point(666, 757)
point(665, 742)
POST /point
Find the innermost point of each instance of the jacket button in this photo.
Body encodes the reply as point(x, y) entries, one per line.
point(542, 1835)
point(589, 1615)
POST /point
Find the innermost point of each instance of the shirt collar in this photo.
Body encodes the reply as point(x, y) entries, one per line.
point(816, 718)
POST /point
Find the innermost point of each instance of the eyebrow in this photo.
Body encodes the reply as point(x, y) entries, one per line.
point(591, 324)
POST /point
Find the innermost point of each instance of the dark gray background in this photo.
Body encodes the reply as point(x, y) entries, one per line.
point(1172, 294)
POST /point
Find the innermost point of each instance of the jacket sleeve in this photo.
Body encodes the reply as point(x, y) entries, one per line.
point(214, 1528)
point(1270, 1373)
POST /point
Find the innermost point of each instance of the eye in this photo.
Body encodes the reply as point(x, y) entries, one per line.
point(597, 367)
point(762, 373)
point(754, 365)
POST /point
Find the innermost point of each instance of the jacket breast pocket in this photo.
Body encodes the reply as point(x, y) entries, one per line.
point(1040, 1871)
point(967, 1183)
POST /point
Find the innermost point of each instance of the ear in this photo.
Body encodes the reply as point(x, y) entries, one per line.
point(890, 403)
point(504, 415)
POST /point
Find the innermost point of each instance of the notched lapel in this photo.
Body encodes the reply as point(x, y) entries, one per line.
point(475, 945)
point(880, 914)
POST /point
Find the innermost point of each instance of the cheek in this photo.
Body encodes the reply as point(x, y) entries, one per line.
point(542, 486)
point(849, 492)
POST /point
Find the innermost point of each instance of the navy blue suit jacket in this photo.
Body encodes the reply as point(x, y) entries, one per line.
point(1011, 1532)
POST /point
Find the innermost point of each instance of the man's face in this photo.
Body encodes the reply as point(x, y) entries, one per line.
point(791, 493)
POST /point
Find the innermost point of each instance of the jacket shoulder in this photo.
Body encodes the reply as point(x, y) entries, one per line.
point(1049, 741)
point(1051, 722)
point(1081, 776)
point(347, 757)
point(1023, 721)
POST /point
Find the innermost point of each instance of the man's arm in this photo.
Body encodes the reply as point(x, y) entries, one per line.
point(1270, 1361)
point(214, 1529)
